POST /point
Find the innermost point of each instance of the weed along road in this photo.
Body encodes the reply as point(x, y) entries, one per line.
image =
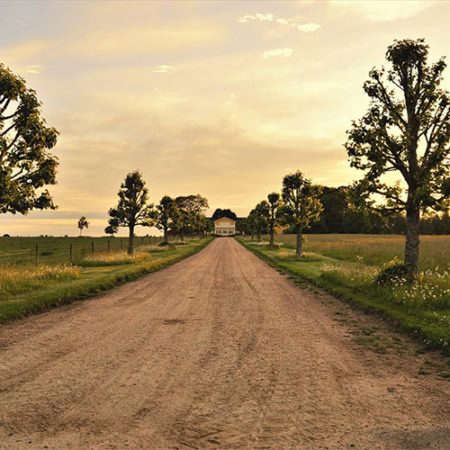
point(217, 351)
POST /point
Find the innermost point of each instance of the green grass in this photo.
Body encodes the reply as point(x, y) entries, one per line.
point(422, 309)
point(26, 290)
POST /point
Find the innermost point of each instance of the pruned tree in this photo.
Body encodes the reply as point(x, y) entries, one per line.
point(301, 205)
point(25, 162)
point(261, 218)
point(166, 216)
point(82, 223)
point(407, 131)
point(132, 209)
point(274, 204)
point(111, 230)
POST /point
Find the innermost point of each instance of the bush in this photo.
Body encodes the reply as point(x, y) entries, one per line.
point(395, 274)
point(164, 244)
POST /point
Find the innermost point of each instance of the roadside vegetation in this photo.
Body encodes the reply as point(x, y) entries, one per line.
point(348, 266)
point(26, 290)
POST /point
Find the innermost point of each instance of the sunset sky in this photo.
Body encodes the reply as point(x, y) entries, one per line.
point(218, 98)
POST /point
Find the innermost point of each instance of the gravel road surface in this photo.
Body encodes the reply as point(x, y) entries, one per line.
point(217, 351)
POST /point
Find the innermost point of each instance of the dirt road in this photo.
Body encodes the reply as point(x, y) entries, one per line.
point(217, 351)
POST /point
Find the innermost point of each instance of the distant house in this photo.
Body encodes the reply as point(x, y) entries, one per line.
point(224, 227)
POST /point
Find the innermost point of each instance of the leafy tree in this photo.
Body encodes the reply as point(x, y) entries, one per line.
point(166, 215)
point(110, 230)
point(82, 223)
point(301, 205)
point(219, 213)
point(190, 210)
point(25, 163)
point(407, 133)
point(261, 218)
point(274, 203)
point(132, 209)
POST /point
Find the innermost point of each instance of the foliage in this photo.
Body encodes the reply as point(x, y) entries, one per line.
point(132, 209)
point(25, 163)
point(408, 134)
point(82, 223)
point(393, 274)
point(219, 213)
point(166, 215)
point(190, 214)
point(301, 204)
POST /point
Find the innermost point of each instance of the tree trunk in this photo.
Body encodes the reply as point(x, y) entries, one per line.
point(412, 238)
point(253, 234)
point(259, 235)
point(166, 235)
point(131, 240)
point(271, 237)
point(299, 242)
point(182, 235)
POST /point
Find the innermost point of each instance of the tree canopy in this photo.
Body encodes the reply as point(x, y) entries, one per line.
point(25, 162)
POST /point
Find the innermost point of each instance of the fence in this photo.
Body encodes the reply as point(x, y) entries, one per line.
point(48, 250)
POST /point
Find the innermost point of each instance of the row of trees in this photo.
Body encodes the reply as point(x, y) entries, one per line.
point(298, 207)
point(184, 214)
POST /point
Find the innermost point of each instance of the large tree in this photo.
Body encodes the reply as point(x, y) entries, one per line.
point(407, 131)
point(25, 162)
point(274, 203)
point(166, 215)
point(190, 210)
point(301, 205)
point(132, 209)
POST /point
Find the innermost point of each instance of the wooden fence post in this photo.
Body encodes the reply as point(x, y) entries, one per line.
point(92, 247)
point(70, 253)
point(37, 255)
point(109, 246)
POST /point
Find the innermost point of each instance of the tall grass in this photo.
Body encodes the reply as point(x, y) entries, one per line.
point(16, 280)
point(374, 249)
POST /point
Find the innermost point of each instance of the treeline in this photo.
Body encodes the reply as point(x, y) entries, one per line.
point(183, 215)
point(342, 214)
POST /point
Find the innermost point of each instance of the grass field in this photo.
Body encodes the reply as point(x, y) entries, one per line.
point(347, 265)
point(57, 250)
point(25, 289)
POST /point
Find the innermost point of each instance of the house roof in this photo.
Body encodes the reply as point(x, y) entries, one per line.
point(227, 218)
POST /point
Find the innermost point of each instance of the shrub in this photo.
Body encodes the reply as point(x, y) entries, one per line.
point(394, 274)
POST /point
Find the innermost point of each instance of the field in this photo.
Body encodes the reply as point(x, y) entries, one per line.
point(347, 266)
point(57, 250)
point(26, 288)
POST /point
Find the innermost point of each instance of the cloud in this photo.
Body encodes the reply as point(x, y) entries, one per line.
point(164, 69)
point(34, 68)
point(285, 52)
point(379, 11)
point(258, 16)
point(304, 28)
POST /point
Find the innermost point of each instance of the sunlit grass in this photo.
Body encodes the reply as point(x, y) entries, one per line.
point(14, 280)
point(116, 258)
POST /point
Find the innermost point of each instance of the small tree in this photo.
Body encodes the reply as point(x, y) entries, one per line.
point(110, 230)
point(132, 209)
point(274, 203)
point(301, 205)
point(25, 163)
point(409, 134)
point(166, 215)
point(82, 223)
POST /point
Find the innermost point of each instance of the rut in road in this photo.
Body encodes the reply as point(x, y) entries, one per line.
point(217, 351)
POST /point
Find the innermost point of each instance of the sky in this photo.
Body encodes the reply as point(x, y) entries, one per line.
point(220, 98)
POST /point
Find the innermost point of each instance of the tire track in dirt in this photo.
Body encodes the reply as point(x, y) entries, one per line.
point(217, 351)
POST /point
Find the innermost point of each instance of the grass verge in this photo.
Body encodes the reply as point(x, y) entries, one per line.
point(91, 280)
point(418, 310)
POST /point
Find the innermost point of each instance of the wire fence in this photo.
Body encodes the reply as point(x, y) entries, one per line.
point(49, 251)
